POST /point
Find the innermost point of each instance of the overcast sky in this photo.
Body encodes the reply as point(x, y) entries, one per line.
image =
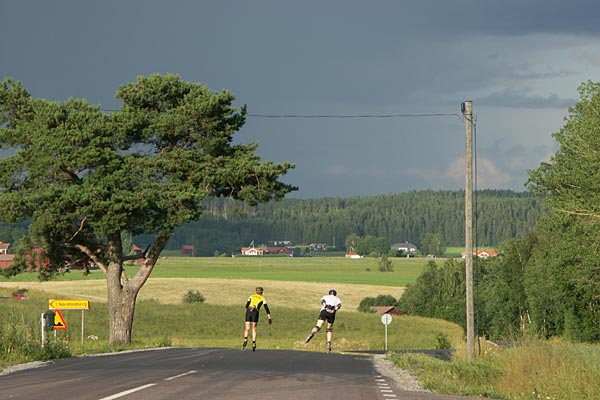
point(520, 62)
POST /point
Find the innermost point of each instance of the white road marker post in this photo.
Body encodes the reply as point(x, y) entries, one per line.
point(386, 319)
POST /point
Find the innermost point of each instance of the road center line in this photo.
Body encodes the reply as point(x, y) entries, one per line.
point(126, 392)
point(180, 375)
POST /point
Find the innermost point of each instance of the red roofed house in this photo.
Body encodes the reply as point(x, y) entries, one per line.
point(280, 250)
point(188, 250)
point(5, 258)
point(380, 310)
point(481, 253)
point(138, 252)
point(36, 261)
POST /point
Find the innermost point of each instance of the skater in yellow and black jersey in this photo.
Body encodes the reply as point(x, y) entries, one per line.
point(253, 305)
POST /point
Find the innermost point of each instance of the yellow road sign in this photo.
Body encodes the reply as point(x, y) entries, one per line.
point(59, 322)
point(55, 304)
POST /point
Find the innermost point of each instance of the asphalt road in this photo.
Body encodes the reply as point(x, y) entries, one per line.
point(205, 373)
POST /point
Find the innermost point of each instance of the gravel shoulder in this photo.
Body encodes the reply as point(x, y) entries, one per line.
point(402, 378)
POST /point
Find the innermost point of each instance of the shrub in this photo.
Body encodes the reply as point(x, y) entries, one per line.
point(443, 342)
point(193, 296)
point(385, 265)
point(164, 342)
point(381, 300)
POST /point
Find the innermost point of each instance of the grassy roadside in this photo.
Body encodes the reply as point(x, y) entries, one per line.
point(216, 325)
point(530, 370)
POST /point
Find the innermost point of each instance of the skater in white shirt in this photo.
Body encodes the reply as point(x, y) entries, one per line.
point(330, 304)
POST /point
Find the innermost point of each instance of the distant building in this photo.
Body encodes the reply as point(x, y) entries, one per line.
point(281, 243)
point(138, 251)
point(317, 247)
point(404, 247)
point(280, 250)
point(481, 254)
point(380, 310)
point(188, 250)
point(6, 260)
point(36, 259)
point(252, 251)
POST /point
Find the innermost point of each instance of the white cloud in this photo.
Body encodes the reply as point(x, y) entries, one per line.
point(490, 176)
point(486, 174)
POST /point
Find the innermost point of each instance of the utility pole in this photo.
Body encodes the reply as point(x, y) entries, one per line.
point(467, 111)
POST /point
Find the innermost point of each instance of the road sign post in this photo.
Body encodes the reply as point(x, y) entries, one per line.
point(71, 304)
point(386, 319)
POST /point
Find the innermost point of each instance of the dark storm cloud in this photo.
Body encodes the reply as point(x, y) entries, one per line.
point(333, 57)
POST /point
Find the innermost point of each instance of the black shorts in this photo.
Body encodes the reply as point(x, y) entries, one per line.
point(252, 315)
point(326, 316)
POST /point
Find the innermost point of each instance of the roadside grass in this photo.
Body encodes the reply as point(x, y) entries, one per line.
point(532, 369)
point(212, 325)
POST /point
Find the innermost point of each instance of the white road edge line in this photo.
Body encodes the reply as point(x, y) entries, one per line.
point(126, 392)
point(180, 375)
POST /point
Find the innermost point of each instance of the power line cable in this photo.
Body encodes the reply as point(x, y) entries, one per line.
point(341, 116)
point(352, 115)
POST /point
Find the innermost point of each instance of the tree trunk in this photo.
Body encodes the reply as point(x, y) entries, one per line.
point(121, 308)
point(122, 292)
point(121, 305)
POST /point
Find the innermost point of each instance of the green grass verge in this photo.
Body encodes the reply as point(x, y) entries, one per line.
point(208, 325)
point(530, 370)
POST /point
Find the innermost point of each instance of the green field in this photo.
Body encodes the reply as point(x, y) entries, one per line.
point(362, 271)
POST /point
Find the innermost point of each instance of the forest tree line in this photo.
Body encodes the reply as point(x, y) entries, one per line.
point(226, 226)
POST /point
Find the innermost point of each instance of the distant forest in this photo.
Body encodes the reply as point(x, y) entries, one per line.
point(498, 215)
point(226, 226)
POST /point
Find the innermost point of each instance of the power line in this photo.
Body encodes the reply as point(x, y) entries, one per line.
point(350, 115)
point(341, 116)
